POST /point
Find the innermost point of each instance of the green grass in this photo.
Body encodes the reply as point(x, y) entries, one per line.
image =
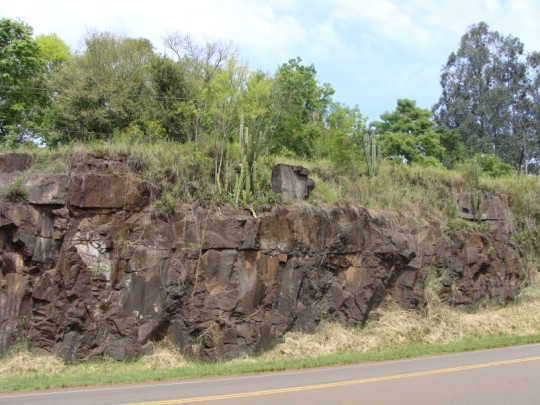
point(108, 372)
point(181, 173)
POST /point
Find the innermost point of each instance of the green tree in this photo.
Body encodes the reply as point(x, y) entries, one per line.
point(299, 103)
point(106, 88)
point(484, 93)
point(52, 50)
point(21, 68)
point(202, 63)
point(490, 164)
point(408, 134)
point(171, 91)
point(531, 128)
point(455, 151)
point(255, 104)
point(341, 139)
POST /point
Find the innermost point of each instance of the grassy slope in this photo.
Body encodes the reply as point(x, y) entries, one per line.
point(424, 193)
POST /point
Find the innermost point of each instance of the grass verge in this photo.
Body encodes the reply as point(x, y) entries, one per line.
point(108, 372)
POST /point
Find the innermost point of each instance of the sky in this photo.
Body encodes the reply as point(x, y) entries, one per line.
point(372, 52)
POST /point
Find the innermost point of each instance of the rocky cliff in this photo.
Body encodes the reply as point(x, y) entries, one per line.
point(89, 269)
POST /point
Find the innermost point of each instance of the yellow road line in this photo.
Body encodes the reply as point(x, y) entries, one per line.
point(336, 384)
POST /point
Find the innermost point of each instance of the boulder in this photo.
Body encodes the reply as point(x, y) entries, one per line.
point(106, 191)
point(292, 182)
point(46, 189)
point(493, 206)
point(15, 162)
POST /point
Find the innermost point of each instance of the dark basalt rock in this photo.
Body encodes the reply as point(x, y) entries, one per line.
point(292, 182)
point(87, 270)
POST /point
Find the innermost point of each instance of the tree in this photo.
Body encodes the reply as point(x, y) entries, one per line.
point(484, 94)
point(299, 103)
point(202, 63)
point(52, 50)
point(107, 88)
point(171, 91)
point(409, 135)
point(531, 129)
point(20, 67)
point(255, 104)
point(341, 138)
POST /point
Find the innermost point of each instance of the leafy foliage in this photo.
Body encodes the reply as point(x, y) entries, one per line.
point(492, 165)
point(487, 96)
point(120, 91)
point(106, 88)
point(53, 50)
point(408, 135)
point(298, 103)
point(341, 138)
point(20, 68)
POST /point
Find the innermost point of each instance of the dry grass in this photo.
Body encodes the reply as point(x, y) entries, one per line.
point(398, 328)
point(22, 362)
point(183, 173)
point(166, 356)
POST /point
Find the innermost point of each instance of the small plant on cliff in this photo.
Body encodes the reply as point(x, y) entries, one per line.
point(15, 192)
point(96, 273)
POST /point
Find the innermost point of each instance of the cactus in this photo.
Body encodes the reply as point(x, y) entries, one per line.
point(477, 194)
point(372, 153)
point(249, 152)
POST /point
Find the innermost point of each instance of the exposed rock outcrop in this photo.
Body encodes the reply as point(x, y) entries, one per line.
point(88, 270)
point(292, 182)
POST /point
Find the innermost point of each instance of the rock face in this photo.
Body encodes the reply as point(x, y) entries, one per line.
point(292, 182)
point(88, 270)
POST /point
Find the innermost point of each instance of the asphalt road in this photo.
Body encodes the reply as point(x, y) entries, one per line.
point(498, 376)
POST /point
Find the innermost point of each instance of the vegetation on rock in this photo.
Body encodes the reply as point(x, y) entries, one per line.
point(202, 130)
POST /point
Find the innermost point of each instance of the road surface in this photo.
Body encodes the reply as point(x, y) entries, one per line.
point(498, 376)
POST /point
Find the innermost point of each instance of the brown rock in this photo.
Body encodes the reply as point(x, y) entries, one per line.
point(15, 162)
point(82, 275)
point(46, 189)
point(493, 206)
point(105, 191)
point(292, 182)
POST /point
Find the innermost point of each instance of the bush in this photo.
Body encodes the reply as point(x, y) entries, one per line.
point(15, 192)
point(491, 165)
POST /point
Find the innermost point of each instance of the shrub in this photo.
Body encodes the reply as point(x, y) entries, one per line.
point(15, 192)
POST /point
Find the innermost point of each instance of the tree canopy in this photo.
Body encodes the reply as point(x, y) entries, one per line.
point(487, 95)
point(200, 91)
point(107, 87)
point(409, 135)
point(299, 103)
point(21, 67)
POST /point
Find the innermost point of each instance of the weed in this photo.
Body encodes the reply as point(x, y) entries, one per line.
point(15, 192)
point(192, 247)
point(96, 273)
point(460, 224)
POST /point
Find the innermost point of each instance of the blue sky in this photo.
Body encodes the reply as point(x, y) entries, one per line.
point(371, 51)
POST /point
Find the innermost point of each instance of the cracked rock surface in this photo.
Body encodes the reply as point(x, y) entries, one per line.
point(88, 270)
